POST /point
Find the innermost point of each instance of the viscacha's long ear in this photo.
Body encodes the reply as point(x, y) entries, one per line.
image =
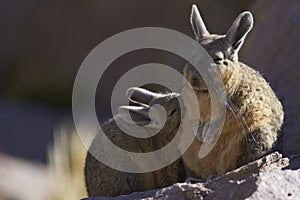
point(239, 30)
point(141, 96)
point(197, 23)
point(139, 114)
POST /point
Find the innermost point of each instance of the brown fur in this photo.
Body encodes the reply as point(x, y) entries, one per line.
point(101, 180)
point(254, 115)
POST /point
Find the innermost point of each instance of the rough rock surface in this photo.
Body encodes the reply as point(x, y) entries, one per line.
point(273, 49)
point(265, 178)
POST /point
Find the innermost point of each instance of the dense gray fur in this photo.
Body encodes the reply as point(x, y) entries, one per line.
point(102, 180)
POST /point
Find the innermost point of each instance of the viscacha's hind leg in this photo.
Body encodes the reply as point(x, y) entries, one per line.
point(255, 145)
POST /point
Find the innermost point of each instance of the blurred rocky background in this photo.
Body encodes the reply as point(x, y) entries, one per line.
point(43, 43)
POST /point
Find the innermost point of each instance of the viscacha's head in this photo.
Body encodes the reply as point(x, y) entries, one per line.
point(223, 49)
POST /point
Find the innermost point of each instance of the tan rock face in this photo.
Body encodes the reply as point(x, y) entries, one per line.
point(265, 178)
point(274, 49)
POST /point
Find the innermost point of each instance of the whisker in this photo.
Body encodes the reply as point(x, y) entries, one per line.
point(242, 122)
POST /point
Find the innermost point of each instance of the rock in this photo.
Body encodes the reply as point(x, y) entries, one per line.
point(278, 185)
point(273, 49)
point(265, 178)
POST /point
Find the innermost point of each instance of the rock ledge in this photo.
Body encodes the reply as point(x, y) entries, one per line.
point(265, 178)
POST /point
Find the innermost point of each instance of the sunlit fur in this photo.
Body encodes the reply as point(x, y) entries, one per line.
point(254, 114)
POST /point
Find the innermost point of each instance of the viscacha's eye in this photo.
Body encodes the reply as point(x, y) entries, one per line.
point(218, 60)
point(172, 112)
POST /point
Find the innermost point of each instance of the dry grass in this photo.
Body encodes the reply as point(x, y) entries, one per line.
point(66, 163)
